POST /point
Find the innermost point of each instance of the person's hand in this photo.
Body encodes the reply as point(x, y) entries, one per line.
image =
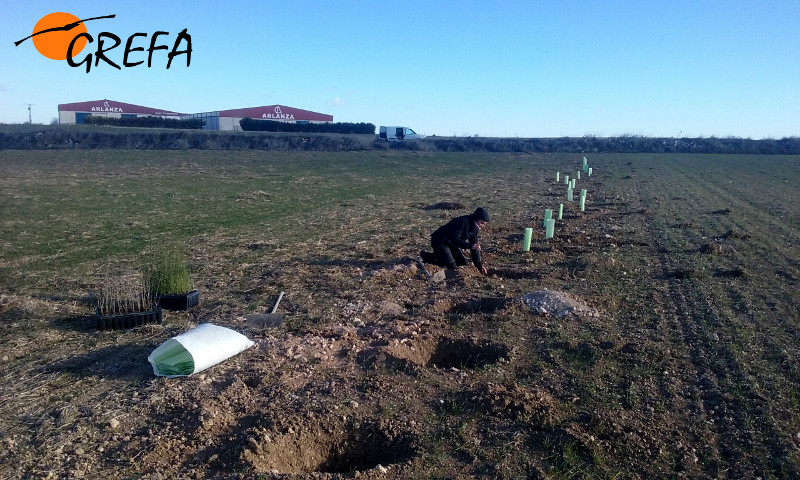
point(476, 247)
point(484, 270)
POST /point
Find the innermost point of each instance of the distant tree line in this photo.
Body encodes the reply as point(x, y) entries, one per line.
point(146, 122)
point(56, 137)
point(592, 144)
point(255, 125)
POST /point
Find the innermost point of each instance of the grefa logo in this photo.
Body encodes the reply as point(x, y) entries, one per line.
point(62, 36)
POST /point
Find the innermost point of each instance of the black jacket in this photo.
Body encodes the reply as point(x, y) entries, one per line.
point(459, 232)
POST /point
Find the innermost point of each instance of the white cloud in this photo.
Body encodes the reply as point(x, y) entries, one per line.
point(336, 102)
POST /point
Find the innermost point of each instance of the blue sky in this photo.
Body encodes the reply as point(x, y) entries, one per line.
point(527, 69)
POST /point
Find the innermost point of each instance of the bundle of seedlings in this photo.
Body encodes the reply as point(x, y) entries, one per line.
point(170, 284)
point(122, 300)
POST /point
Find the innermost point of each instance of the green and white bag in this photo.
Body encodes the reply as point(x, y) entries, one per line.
point(201, 347)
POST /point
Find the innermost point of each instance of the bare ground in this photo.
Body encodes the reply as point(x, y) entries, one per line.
point(665, 345)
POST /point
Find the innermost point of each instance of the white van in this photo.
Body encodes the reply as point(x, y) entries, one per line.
point(396, 134)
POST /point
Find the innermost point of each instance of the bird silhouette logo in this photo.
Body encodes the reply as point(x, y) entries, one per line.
point(53, 34)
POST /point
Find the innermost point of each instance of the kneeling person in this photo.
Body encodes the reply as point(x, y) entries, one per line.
point(459, 233)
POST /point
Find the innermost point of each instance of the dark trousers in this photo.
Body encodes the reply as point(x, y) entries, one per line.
point(450, 256)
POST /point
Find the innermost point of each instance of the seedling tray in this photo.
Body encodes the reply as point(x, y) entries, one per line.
point(129, 320)
point(183, 301)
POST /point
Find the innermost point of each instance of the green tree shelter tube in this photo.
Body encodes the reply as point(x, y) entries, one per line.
point(550, 226)
point(526, 244)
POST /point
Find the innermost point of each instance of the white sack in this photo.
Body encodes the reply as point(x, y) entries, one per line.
point(201, 347)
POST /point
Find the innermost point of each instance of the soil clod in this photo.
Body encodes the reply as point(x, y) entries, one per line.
point(711, 248)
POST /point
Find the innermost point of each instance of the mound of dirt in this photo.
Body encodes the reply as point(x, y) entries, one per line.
point(557, 304)
point(518, 402)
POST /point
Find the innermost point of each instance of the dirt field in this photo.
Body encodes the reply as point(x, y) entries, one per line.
point(656, 335)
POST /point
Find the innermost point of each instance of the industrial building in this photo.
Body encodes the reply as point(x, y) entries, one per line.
point(229, 119)
point(71, 113)
point(76, 113)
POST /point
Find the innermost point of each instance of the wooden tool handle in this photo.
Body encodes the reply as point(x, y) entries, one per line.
point(277, 302)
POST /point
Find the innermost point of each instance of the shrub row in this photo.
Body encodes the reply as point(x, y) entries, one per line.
point(59, 138)
point(252, 125)
point(87, 137)
point(623, 144)
point(147, 122)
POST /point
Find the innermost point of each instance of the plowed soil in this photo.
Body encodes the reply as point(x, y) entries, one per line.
point(656, 335)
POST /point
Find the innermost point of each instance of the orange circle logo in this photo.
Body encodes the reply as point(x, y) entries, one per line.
point(53, 33)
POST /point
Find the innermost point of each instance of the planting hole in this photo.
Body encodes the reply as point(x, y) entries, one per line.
point(683, 273)
point(734, 234)
point(445, 206)
point(348, 448)
point(731, 273)
point(460, 353)
point(482, 305)
point(514, 273)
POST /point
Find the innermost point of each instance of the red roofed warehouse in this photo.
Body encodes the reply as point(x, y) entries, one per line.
point(71, 113)
point(77, 112)
point(229, 119)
